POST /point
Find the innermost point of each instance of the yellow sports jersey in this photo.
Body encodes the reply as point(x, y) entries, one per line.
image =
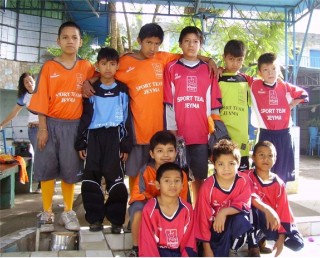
point(144, 79)
point(58, 90)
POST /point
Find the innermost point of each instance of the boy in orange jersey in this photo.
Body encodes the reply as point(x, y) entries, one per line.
point(142, 72)
point(57, 100)
point(162, 150)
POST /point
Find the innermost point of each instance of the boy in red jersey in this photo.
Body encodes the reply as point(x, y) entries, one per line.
point(272, 101)
point(162, 150)
point(222, 208)
point(190, 97)
point(142, 72)
point(57, 100)
point(271, 214)
point(167, 221)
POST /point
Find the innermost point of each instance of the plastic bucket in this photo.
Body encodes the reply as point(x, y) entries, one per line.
point(63, 241)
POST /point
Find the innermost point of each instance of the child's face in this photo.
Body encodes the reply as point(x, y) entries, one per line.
point(226, 167)
point(190, 46)
point(69, 40)
point(269, 72)
point(264, 158)
point(163, 154)
point(28, 83)
point(232, 64)
point(107, 68)
point(170, 183)
point(149, 46)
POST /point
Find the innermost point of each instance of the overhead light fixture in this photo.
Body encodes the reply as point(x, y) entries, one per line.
point(103, 2)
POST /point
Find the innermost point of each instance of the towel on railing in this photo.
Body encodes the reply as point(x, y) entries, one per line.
point(23, 170)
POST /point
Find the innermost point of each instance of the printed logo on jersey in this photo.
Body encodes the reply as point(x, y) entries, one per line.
point(118, 114)
point(130, 69)
point(172, 238)
point(231, 79)
point(273, 97)
point(177, 76)
point(54, 75)
point(109, 93)
point(192, 83)
point(79, 77)
point(261, 91)
point(118, 179)
point(158, 70)
point(151, 182)
point(261, 195)
point(241, 97)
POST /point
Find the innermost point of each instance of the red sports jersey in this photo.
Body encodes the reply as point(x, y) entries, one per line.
point(212, 198)
point(274, 194)
point(144, 187)
point(193, 94)
point(271, 104)
point(160, 235)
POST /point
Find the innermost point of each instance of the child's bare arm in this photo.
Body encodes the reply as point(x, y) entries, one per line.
point(279, 245)
point(82, 154)
point(295, 102)
point(220, 219)
point(272, 218)
point(207, 251)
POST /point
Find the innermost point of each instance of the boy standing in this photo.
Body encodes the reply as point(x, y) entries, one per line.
point(272, 101)
point(162, 150)
point(57, 100)
point(190, 96)
point(142, 72)
point(167, 221)
point(271, 214)
point(235, 94)
point(222, 208)
point(104, 144)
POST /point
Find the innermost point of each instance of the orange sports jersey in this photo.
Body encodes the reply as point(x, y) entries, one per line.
point(58, 90)
point(144, 187)
point(144, 79)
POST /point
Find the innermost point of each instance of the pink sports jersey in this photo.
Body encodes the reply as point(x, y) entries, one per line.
point(274, 194)
point(161, 234)
point(212, 199)
point(193, 94)
point(271, 104)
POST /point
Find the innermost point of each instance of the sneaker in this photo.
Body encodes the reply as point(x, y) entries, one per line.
point(263, 247)
point(254, 252)
point(116, 229)
point(132, 253)
point(38, 191)
point(97, 226)
point(69, 220)
point(233, 253)
point(48, 219)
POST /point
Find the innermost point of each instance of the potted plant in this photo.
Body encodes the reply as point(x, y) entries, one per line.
point(314, 124)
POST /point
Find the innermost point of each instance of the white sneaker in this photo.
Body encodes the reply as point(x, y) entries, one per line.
point(48, 218)
point(69, 220)
point(233, 253)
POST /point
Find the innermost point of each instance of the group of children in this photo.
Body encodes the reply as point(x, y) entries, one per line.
point(132, 110)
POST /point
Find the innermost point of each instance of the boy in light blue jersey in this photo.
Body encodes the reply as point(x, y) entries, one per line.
point(103, 142)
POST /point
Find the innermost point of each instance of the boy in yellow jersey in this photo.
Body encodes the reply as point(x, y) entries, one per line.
point(57, 100)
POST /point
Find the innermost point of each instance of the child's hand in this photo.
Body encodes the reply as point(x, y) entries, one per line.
point(218, 224)
point(42, 137)
point(279, 245)
point(87, 90)
point(273, 220)
point(82, 154)
point(124, 156)
point(213, 68)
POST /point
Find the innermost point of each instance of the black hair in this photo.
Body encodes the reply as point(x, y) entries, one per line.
point(235, 48)
point(189, 30)
point(266, 58)
point(108, 53)
point(21, 88)
point(166, 167)
point(225, 147)
point(69, 24)
point(151, 30)
point(162, 137)
point(264, 144)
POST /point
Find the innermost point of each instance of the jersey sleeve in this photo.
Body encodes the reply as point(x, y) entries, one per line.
point(297, 92)
point(216, 99)
point(139, 189)
point(184, 192)
point(20, 100)
point(188, 246)
point(39, 103)
point(284, 211)
point(203, 213)
point(147, 242)
point(242, 202)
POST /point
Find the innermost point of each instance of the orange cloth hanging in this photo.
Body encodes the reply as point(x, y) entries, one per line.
point(23, 170)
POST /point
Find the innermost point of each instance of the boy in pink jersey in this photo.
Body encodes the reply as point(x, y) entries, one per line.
point(190, 96)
